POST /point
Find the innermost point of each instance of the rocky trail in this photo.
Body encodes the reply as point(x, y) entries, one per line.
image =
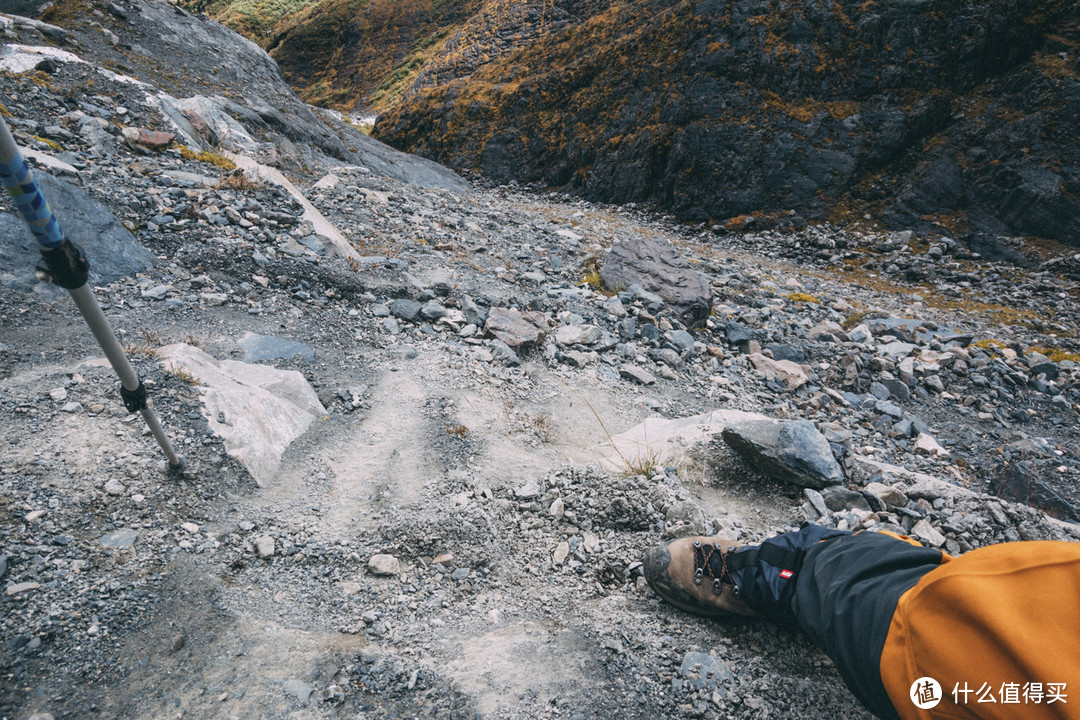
point(421, 477)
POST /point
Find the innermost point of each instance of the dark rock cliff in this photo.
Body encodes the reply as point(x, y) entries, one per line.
point(945, 116)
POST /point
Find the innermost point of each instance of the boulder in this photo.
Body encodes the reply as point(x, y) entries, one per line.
point(256, 409)
point(792, 451)
point(516, 328)
point(112, 250)
point(1022, 482)
point(656, 266)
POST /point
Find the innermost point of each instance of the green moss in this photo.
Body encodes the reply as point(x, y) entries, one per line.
point(1055, 354)
point(47, 141)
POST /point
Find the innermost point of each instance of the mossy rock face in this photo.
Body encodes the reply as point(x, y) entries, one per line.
point(929, 116)
point(941, 117)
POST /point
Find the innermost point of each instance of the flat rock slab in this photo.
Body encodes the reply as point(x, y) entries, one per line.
point(267, 347)
point(256, 409)
point(656, 266)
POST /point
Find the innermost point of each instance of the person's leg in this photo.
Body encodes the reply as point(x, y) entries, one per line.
point(840, 588)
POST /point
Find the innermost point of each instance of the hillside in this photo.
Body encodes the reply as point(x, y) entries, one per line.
point(366, 56)
point(949, 118)
point(959, 119)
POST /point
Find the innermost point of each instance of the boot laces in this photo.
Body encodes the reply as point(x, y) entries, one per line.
point(710, 561)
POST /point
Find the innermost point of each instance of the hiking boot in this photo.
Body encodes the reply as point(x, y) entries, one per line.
point(692, 574)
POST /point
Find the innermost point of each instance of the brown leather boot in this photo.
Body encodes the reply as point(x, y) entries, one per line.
point(692, 574)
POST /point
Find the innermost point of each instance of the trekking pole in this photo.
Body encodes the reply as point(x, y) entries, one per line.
point(65, 264)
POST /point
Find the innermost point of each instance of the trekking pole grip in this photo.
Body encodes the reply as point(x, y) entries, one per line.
point(63, 261)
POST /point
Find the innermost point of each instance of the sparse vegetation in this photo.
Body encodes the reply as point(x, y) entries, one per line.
point(204, 156)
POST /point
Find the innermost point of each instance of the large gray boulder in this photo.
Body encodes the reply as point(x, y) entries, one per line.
point(656, 266)
point(792, 451)
point(113, 251)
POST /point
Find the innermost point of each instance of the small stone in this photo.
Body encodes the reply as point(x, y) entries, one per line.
point(21, 587)
point(888, 495)
point(528, 491)
point(178, 642)
point(383, 564)
point(190, 527)
point(927, 445)
point(638, 375)
point(115, 487)
point(72, 407)
point(562, 551)
point(119, 540)
point(577, 335)
point(35, 515)
point(702, 670)
point(838, 498)
point(264, 546)
point(737, 333)
point(298, 689)
point(405, 309)
point(58, 395)
point(460, 574)
point(445, 559)
point(557, 509)
point(402, 352)
point(925, 531)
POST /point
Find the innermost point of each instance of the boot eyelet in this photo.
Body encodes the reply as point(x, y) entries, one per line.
point(698, 575)
point(736, 591)
point(716, 587)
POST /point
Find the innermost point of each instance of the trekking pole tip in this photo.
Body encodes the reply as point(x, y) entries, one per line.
point(180, 469)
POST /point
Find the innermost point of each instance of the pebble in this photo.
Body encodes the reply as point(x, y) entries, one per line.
point(265, 547)
point(120, 540)
point(382, 564)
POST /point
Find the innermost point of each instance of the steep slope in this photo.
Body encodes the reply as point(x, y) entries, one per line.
point(939, 115)
point(369, 54)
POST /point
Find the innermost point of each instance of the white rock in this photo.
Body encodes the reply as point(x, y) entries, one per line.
point(264, 546)
point(791, 374)
point(928, 445)
point(21, 587)
point(384, 565)
point(925, 531)
point(190, 527)
point(58, 395)
point(115, 487)
point(562, 551)
point(266, 408)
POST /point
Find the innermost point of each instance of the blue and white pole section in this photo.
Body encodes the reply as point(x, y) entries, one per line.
point(65, 264)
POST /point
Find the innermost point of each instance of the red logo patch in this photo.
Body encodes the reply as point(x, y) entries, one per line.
point(786, 574)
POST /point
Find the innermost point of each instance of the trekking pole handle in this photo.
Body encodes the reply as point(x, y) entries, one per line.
point(30, 202)
point(64, 262)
